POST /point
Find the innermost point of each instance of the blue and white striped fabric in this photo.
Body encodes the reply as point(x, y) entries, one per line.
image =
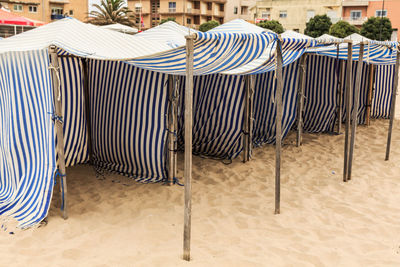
point(382, 95)
point(27, 144)
point(320, 104)
point(213, 53)
point(264, 108)
point(218, 115)
point(373, 53)
point(128, 117)
point(72, 95)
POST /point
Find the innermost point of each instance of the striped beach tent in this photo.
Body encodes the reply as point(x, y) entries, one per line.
point(125, 75)
point(322, 89)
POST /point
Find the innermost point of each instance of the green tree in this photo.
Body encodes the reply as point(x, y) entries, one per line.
point(110, 12)
point(168, 19)
point(318, 26)
point(342, 29)
point(206, 26)
point(272, 25)
point(377, 29)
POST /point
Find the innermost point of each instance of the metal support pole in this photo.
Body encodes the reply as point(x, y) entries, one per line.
point(300, 98)
point(348, 108)
point(59, 128)
point(393, 104)
point(87, 107)
point(188, 146)
point(278, 124)
point(356, 100)
point(171, 127)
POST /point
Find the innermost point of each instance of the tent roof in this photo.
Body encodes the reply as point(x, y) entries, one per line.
point(239, 26)
point(120, 28)
point(80, 39)
point(9, 18)
point(213, 52)
point(170, 33)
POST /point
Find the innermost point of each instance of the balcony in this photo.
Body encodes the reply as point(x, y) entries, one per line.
point(57, 16)
point(193, 11)
point(355, 21)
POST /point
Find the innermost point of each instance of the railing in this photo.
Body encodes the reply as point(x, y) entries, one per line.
point(57, 16)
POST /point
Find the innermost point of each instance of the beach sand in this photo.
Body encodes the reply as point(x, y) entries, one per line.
point(323, 221)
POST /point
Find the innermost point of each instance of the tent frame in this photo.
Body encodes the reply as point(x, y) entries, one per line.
point(58, 121)
point(393, 104)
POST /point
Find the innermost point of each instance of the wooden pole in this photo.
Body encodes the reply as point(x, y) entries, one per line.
point(171, 125)
point(59, 128)
point(188, 146)
point(87, 107)
point(356, 100)
point(340, 96)
point(393, 104)
point(246, 114)
point(278, 124)
point(369, 94)
point(300, 98)
point(348, 107)
point(251, 100)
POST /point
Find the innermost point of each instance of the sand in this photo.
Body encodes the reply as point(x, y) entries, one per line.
point(324, 222)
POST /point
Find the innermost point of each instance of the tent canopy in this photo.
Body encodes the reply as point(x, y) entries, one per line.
point(12, 19)
point(120, 28)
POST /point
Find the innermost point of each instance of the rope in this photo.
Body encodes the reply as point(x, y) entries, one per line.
point(58, 173)
point(176, 181)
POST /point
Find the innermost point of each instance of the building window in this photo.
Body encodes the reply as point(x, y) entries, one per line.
point(154, 7)
point(57, 11)
point(71, 12)
point(188, 21)
point(381, 13)
point(355, 14)
point(196, 5)
point(265, 15)
point(243, 10)
point(32, 9)
point(296, 30)
point(310, 14)
point(235, 10)
point(221, 7)
point(138, 9)
point(209, 6)
point(208, 18)
point(18, 8)
point(171, 7)
point(221, 20)
point(196, 20)
point(283, 14)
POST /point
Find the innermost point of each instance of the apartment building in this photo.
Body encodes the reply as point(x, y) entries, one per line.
point(185, 12)
point(294, 14)
point(239, 9)
point(48, 10)
point(356, 12)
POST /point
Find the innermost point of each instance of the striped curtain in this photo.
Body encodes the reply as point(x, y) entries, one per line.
point(27, 146)
point(75, 132)
point(382, 95)
point(320, 104)
point(264, 104)
point(128, 119)
point(218, 115)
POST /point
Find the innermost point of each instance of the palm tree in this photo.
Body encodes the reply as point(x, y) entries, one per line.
point(110, 12)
